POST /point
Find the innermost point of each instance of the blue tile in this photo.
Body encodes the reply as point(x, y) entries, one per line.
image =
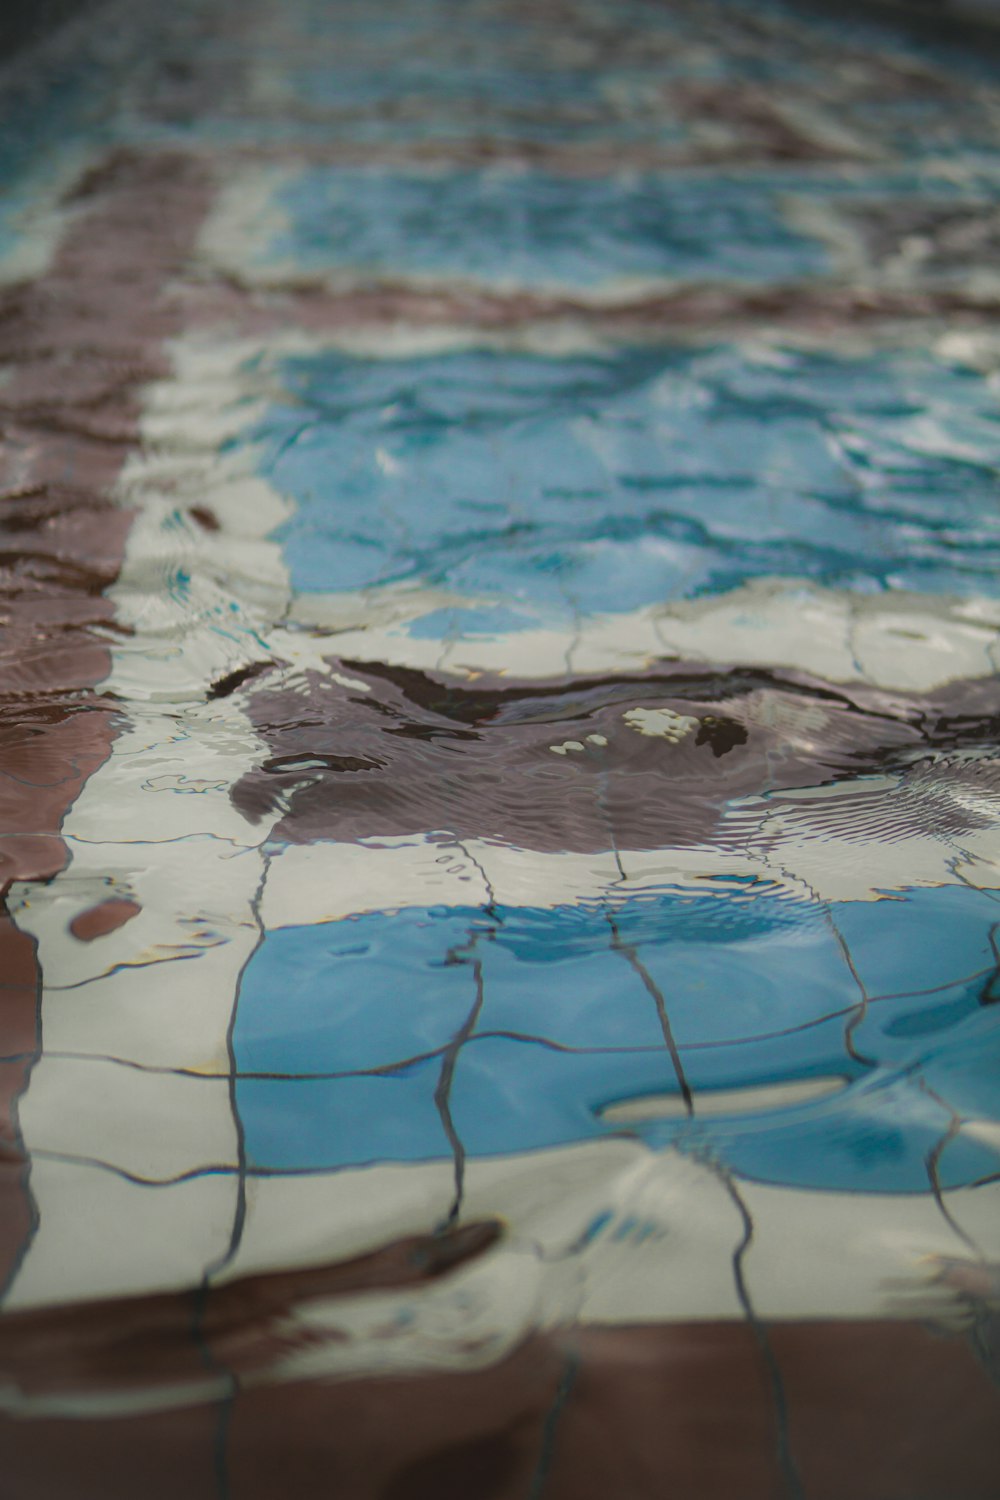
point(755, 991)
point(319, 1125)
point(605, 484)
point(353, 994)
point(511, 227)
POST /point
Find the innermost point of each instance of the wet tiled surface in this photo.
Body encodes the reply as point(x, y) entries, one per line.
point(597, 484)
point(498, 760)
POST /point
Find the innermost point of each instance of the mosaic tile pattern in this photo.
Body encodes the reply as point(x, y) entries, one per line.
point(500, 861)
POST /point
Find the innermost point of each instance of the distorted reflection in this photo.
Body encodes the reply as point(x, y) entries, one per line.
point(502, 805)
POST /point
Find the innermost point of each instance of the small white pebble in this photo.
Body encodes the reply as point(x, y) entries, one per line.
point(596, 739)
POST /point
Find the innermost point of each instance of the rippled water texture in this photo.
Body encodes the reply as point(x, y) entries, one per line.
point(499, 789)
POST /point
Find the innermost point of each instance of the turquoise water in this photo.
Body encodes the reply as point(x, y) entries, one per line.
point(758, 992)
point(607, 483)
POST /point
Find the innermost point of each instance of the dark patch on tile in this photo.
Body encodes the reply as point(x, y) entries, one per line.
point(106, 917)
point(425, 750)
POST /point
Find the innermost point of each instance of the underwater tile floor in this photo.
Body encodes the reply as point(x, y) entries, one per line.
point(500, 841)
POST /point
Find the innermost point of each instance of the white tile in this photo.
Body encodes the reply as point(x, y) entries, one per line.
point(313, 1219)
point(844, 1255)
point(160, 989)
point(100, 1235)
point(323, 882)
point(155, 1126)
